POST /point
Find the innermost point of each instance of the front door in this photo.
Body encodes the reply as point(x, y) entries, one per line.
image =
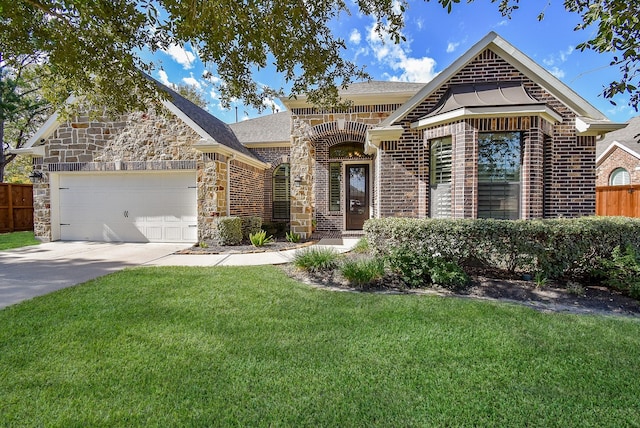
point(357, 193)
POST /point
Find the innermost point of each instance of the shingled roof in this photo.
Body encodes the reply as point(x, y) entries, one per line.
point(627, 137)
point(273, 128)
point(216, 129)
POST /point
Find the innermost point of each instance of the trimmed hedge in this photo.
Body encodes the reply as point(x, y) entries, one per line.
point(250, 226)
point(559, 248)
point(227, 231)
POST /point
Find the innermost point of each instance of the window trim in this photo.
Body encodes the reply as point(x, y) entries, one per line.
point(286, 179)
point(620, 171)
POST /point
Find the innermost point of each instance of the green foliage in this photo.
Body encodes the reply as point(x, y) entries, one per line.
point(314, 259)
point(540, 279)
point(260, 239)
point(560, 248)
point(363, 271)
point(448, 274)
point(622, 271)
point(227, 231)
point(278, 229)
point(419, 268)
point(362, 246)
point(293, 237)
point(106, 40)
point(250, 224)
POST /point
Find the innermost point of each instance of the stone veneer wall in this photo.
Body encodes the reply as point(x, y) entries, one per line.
point(139, 141)
point(571, 168)
point(274, 156)
point(618, 158)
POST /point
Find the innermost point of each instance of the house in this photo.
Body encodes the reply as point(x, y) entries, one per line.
point(618, 156)
point(493, 135)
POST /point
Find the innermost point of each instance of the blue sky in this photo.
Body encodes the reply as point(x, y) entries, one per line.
point(434, 40)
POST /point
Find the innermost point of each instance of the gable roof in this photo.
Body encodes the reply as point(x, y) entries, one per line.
point(593, 121)
point(269, 130)
point(626, 138)
point(215, 134)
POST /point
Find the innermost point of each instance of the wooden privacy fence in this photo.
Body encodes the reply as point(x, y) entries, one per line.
point(618, 200)
point(16, 207)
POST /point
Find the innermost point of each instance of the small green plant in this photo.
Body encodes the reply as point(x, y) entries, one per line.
point(203, 244)
point(362, 246)
point(575, 288)
point(448, 274)
point(413, 268)
point(540, 279)
point(260, 239)
point(316, 259)
point(362, 272)
point(293, 237)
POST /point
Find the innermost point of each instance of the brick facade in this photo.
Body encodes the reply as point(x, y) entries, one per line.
point(274, 156)
point(618, 158)
point(557, 170)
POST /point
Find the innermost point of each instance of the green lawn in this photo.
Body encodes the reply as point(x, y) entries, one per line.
point(249, 347)
point(16, 240)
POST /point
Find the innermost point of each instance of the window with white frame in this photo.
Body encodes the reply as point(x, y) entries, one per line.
point(619, 177)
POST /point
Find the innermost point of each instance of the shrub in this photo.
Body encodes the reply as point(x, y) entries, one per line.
point(413, 267)
point(315, 259)
point(622, 271)
point(293, 237)
point(250, 224)
point(560, 248)
point(448, 274)
point(277, 229)
point(363, 271)
point(227, 231)
point(260, 239)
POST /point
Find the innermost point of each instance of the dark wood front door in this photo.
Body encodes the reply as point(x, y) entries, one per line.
point(357, 192)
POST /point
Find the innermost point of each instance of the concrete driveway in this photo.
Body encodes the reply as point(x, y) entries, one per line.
point(34, 271)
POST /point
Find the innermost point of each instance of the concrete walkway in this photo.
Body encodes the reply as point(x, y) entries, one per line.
point(37, 270)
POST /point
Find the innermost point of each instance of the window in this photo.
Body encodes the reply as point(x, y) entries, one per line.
point(334, 186)
point(347, 150)
point(440, 178)
point(499, 164)
point(619, 177)
point(281, 192)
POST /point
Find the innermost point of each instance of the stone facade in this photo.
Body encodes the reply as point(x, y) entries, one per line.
point(146, 141)
point(618, 158)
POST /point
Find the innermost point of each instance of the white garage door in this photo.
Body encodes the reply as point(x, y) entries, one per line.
point(128, 207)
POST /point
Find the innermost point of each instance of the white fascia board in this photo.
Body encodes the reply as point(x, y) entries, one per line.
point(376, 135)
point(586, 127)
point(480, 112)
point(47, 128)
point(208, 145)
point(37, 151)
point(612, 147)
point(267, 145)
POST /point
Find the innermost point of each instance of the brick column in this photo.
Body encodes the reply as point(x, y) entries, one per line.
point(302, 160)
point(464, 180)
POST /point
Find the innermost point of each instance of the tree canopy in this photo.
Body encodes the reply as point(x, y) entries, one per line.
point(97, 48)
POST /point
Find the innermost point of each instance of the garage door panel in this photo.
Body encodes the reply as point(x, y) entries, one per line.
point(129, 207)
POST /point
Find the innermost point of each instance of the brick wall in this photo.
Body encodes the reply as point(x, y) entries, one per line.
point(274, 156)
point(247, 190)
point(618, 158)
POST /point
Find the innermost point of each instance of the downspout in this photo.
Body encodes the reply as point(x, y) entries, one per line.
point(229, 159)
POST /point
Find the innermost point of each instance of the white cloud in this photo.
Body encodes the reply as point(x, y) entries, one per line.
point(180, 55)
point(272, 105)
point(452, 46)
point(396, 57)
point(164, 78)
point(559, 73)
point(355, 37)
point(192, 81)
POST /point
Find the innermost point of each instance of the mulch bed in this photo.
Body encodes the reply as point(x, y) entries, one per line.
point(246, 248)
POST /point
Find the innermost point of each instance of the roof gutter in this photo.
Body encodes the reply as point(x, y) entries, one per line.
point(377, 135)
point(586, 127)
point(208, 145)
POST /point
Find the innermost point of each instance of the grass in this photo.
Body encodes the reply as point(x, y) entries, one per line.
point(17, 240)
point(247, 346)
